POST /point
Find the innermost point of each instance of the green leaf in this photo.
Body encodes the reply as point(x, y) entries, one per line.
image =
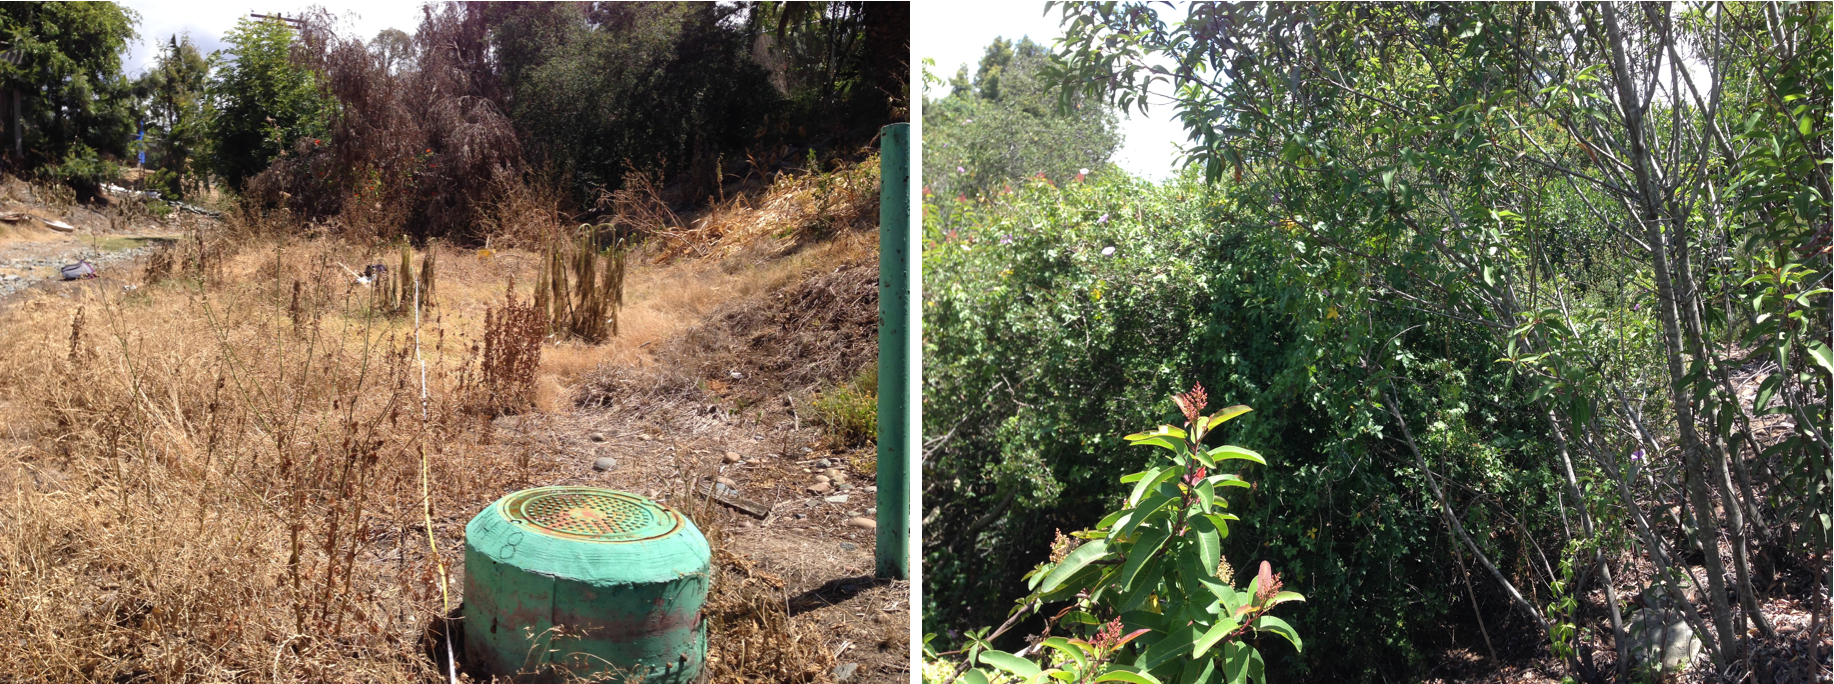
point(1226, 452)
point(1082, 556)
point(1141, 513)
point(1078, 618)
point(1224, 416)
point(1146, 484)
point(1149, 543)
point(1126, 676)
point(1283, 597)
point(1269, 623)
point(1243, 663)
point(1822, 355)
point(1073, 650)
point(1209, 532)
point(1161, 431)
point(975, 677)
point(1229, 480)
point(1224, 625)
point(1170, 648)
point(1011, 663)
point(1110, 519)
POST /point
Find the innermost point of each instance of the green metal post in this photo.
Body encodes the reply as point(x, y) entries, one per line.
point(898, 363)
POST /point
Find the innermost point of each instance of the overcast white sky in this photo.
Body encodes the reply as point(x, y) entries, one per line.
point(207, 20)
point(956, 33)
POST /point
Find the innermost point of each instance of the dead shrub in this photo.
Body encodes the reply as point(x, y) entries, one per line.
point(581, 285)
point(508, 358)
point(421, 151)
point(198, 257)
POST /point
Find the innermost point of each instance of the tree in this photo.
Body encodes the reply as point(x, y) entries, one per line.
point(63, 67)
point(395, 49)
point(600, 88)
point(172, 96)
point(1006, 125)
point(1450, 155)
point(263, 101)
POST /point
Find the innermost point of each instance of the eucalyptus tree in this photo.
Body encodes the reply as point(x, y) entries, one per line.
point(1631, 199)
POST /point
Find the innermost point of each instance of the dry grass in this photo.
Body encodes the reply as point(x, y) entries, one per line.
point(793, 212)
point(219, 476)
point(224, 481)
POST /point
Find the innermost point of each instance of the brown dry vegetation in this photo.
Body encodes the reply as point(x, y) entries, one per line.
point(233, 477)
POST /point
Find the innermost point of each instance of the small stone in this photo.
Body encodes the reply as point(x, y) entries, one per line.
point(839, 499)
point(732, 457)
point(644, 437)
point(835, 475)
point(871, 489)
point(807, 450)
point(844, 671)
point(823, 463)
point(596, 437)
point(864, 523)
point(726, 481)
point(844, 487)
point(822, 478)
point(853, 514)
point(604, 463)
point(849, 546)
point(874, 511)
point(800, 516)
point(820, 488)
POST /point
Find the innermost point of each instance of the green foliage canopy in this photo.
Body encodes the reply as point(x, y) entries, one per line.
point(264, 101)
point(63, 59)
point(1006, 125)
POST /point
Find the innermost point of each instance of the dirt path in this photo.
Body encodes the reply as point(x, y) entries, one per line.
point(726, 406)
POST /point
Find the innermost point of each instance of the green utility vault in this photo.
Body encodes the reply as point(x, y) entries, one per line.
point(585, 580)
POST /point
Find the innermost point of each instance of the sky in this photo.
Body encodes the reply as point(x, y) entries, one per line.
point(957, 33)
point(206, 21)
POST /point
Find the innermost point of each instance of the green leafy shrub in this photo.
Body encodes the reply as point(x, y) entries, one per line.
point(1154, 598)
point(850, 412)
point(1055, 318)
point(83, 171)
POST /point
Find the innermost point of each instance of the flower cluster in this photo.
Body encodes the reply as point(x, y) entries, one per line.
point(1270, 584)
point(1060, 548)
point(1191, 402)
point(1109, 636)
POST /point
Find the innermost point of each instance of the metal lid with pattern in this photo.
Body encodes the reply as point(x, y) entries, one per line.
point(589, 514)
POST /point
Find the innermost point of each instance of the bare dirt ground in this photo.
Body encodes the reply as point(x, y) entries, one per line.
point(726, 406)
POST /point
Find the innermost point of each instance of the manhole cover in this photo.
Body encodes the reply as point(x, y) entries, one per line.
point(590, 514)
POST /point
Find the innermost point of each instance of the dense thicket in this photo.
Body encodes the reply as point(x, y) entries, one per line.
point(434, 136)
point(1519, 304)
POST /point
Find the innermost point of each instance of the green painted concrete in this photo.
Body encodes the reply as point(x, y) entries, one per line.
point(897, 361)
point(549, 593)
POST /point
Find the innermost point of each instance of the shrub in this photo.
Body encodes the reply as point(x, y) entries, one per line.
point(850, 412)
point(1055, 316)
point(581, 286)
point(508, 358)
point(1153, 598)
